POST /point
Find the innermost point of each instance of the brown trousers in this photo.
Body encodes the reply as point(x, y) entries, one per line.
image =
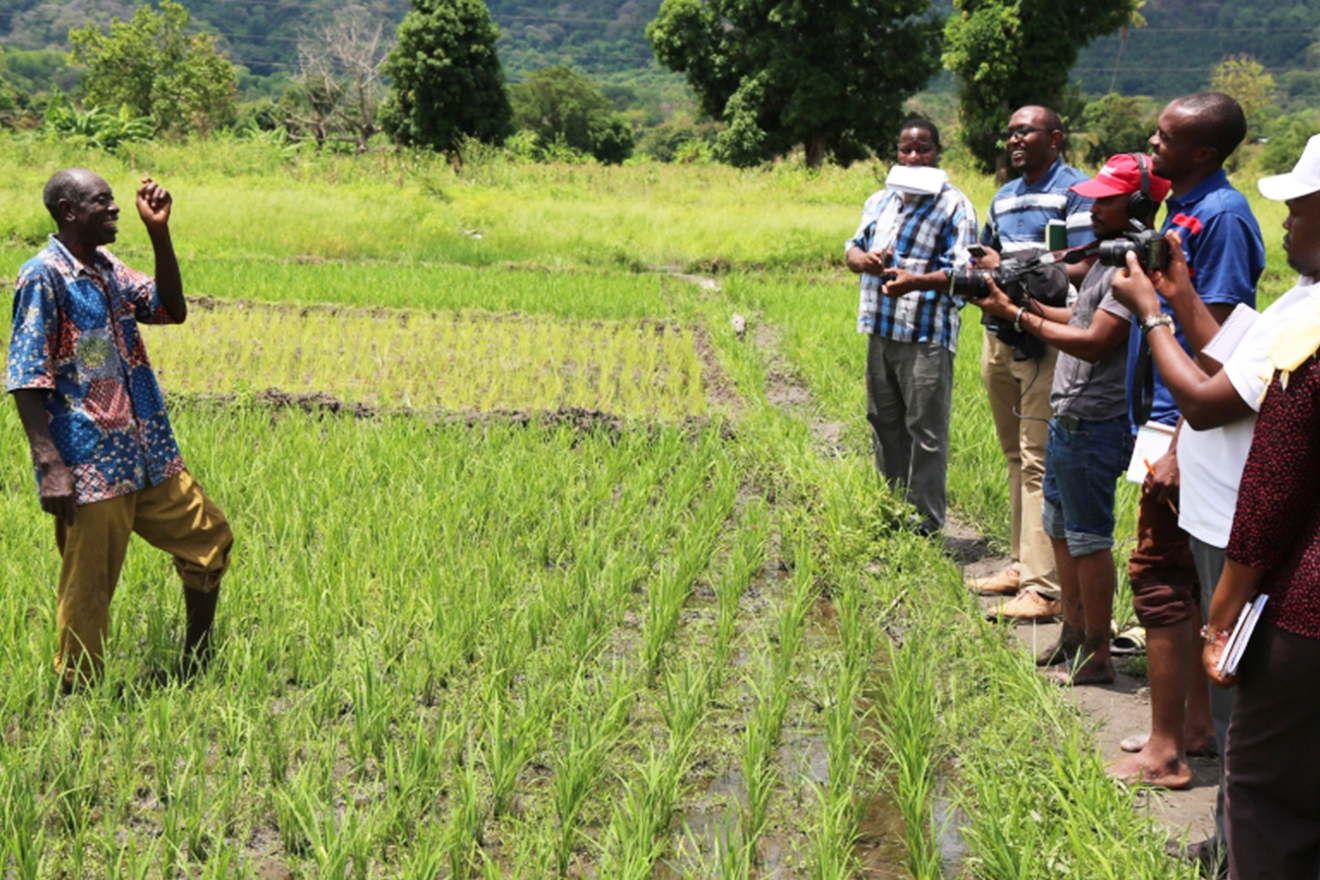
point(175, 516)
point(1272, 772)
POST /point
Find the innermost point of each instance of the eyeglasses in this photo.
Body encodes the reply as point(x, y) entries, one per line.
point(1020, 131)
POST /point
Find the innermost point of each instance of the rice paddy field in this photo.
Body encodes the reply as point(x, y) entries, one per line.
point(560, 552)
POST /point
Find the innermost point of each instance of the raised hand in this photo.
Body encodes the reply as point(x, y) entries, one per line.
point(153, 204)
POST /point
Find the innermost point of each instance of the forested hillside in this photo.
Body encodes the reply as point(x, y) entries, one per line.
point(1173, 53)
point(1183, 39)
point(597, 36)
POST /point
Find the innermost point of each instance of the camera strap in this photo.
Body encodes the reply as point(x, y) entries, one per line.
point(1143, 388)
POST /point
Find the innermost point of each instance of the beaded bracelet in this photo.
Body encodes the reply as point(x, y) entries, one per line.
point(1211, 638)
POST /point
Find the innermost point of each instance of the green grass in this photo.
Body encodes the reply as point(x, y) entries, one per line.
point(624, 647)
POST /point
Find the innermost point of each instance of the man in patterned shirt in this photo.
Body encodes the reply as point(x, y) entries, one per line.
point(904, 250)
point(106, 461)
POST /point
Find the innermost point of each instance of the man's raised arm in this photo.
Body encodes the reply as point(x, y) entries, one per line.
point(154, 203)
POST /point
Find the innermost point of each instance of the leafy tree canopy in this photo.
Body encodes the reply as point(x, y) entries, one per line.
point(1009, 53)
point(1245, 79)
point(562, 105)
point(447, 82)
point(154, 66)
point(831, 77)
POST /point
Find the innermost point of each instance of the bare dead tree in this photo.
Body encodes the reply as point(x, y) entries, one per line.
point(339, 66)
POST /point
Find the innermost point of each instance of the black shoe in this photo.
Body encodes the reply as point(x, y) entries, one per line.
point(1209, 855)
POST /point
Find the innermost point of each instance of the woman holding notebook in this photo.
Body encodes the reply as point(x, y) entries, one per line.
point(1272, 764)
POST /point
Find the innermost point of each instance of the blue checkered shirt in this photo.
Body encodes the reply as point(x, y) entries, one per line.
point(928, 234)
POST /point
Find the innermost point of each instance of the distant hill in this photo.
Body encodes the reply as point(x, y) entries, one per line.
point(1184, 39)
point(1172, 55)
point(597, 36)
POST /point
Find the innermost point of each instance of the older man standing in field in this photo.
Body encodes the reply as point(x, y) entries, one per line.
point(106, 460)
point(1017, 379)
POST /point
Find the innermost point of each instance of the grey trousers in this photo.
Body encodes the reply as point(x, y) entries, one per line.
point(1209, 566)
point(909, 395)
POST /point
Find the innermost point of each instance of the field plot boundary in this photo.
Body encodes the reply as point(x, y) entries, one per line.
point(377, 360)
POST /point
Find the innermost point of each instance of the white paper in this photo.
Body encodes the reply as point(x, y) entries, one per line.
point(1152, 441)
point(918, 180)
point(1231, 333)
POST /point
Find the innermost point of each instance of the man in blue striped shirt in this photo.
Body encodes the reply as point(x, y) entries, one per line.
point(904, 249)
point(1019, 384)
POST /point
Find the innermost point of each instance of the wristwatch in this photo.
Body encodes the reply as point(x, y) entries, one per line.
point(1149, 324)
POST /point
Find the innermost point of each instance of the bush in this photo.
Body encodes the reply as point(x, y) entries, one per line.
point(1287, 137)
point(671, 141)
point(1114, 124)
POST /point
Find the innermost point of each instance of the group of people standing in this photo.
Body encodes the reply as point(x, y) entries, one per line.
point(1077, 364)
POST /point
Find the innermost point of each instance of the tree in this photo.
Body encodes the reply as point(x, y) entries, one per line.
point(1245, 79)
point(831, 77)
point(1114, 124)
point(151, 64)
point(1009, 53)
point(339, 74)
point(561, 105)
point(446, 79)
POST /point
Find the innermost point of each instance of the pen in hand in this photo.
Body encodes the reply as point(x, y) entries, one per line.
point(1150, 469)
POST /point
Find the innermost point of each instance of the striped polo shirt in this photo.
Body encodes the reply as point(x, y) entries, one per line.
point(1020, 211)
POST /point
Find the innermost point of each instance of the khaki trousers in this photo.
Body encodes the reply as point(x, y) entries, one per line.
point(175, 516)
point(1019, 394)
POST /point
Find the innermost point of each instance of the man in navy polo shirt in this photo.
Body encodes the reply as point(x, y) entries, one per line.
point(1017, 383)
point(1226, 255)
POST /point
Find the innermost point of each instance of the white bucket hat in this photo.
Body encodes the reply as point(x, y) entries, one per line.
point(1303, 180)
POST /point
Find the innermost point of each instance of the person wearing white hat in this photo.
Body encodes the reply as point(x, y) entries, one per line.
point(1220, 405)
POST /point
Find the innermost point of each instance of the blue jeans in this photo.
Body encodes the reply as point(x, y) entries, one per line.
point(1083, 461)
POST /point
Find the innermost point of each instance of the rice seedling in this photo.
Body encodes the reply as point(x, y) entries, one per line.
point(528, 647)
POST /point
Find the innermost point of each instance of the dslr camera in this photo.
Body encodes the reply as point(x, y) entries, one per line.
point(1150, 247)
point(1040, 278)
point(972, 283)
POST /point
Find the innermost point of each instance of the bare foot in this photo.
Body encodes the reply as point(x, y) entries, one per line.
point(1141, 768)
point(1088, 673)
point(1202, 746)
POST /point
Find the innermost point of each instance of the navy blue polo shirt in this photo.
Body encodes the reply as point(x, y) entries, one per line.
point(1226, 254)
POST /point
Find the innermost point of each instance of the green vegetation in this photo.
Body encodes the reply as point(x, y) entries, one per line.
point(445, 79)
point(786, 74)
point(151, 64)
point(1010, 54)
point(549, 644)
point(567, 109)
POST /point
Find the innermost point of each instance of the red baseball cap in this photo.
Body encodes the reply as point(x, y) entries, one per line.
point(1121, 176)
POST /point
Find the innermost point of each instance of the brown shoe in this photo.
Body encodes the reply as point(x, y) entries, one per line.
point(1028, 605)
point(1003, 584)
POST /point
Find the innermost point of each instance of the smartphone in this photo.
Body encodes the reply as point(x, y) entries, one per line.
point(977, 251)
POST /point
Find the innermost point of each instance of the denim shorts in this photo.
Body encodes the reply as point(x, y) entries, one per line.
point(1082, 465)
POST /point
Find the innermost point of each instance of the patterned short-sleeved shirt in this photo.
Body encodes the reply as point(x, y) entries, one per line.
point(76, 337)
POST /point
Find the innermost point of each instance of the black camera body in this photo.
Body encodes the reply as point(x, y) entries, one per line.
point(1040, 278)
point(1150, 247)
point(971, 283)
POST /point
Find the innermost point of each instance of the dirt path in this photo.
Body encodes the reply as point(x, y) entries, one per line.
point(1117, 710)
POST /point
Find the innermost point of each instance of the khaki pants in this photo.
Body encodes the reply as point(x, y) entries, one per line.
point(1022, 388)
point(175, 516)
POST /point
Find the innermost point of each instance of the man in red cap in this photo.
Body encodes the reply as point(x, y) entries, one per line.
point(1090, 438)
